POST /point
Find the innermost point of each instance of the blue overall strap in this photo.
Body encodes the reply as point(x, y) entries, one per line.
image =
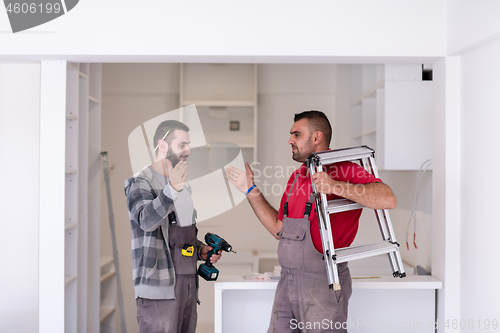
point(285, 207)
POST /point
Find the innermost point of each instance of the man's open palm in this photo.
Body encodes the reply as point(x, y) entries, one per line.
point(239, 178)
point(176, 176)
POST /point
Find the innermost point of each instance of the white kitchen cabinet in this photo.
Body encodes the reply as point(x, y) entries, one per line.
point(375, 304)
point(392, 113)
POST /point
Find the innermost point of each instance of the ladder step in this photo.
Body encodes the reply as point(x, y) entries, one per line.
point(344, 154)
point(342, 205)
point(364, 251)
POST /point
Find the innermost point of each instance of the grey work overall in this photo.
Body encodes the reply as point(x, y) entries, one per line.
point(177, 315)
point(303, 301)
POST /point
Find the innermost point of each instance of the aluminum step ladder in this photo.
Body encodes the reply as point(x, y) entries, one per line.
point(366, 157)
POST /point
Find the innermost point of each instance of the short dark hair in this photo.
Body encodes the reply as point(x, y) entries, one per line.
point(317, 122)
point(168, 126)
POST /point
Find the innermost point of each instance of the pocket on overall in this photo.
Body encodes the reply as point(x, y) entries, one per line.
point(313, 259)
point(183, 265)
point(291, 244)
point(178, 238)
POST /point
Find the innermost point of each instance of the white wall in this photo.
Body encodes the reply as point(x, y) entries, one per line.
point(403, 184)
point(471, 24)
point(480, 183)
point(464, 231)
point(446, 217)
point(19, 167)
point(200, 31)
point(465, 196)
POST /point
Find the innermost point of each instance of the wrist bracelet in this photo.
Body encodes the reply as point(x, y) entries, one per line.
point(251, 188)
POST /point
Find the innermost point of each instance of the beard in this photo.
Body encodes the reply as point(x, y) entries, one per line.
point(300, 155)
point(173, 158)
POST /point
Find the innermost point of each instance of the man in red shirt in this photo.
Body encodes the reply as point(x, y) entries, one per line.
point(303, 300)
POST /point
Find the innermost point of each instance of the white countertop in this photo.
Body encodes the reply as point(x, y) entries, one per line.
point(358, 282)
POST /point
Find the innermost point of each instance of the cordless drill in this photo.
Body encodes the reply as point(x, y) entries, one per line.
point(207, 270)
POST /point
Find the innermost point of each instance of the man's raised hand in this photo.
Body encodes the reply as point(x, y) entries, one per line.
point(240, 179)
point(176, 176)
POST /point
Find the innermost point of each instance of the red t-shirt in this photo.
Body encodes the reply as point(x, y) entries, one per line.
point(345, 224)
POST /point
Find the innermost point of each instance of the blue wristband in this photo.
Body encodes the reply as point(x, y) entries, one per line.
point(251, 188)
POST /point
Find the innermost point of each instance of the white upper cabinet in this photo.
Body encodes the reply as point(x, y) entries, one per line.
point(391, 111)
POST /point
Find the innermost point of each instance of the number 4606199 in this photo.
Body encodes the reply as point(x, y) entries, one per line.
point(471, 324)
point(33, 8)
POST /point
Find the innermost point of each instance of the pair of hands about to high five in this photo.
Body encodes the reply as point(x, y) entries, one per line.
point(244, 180)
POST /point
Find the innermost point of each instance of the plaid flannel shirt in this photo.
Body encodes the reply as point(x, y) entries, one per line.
point(152, 267)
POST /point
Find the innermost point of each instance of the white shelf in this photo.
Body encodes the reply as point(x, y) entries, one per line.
point(369, 93)
point(95, 100)
point(220, 103)
point(84, 68)
point(71, 117)
point(374, 130)
point(107, 268)
point(83, 75)
point(70, 225)
point(105, 311)
point(73, 65)
point(71, 171)
point(103, 261)
point(108, 275)
point(68, 279)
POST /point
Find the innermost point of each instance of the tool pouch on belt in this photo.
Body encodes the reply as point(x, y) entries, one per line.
point(180, 241)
